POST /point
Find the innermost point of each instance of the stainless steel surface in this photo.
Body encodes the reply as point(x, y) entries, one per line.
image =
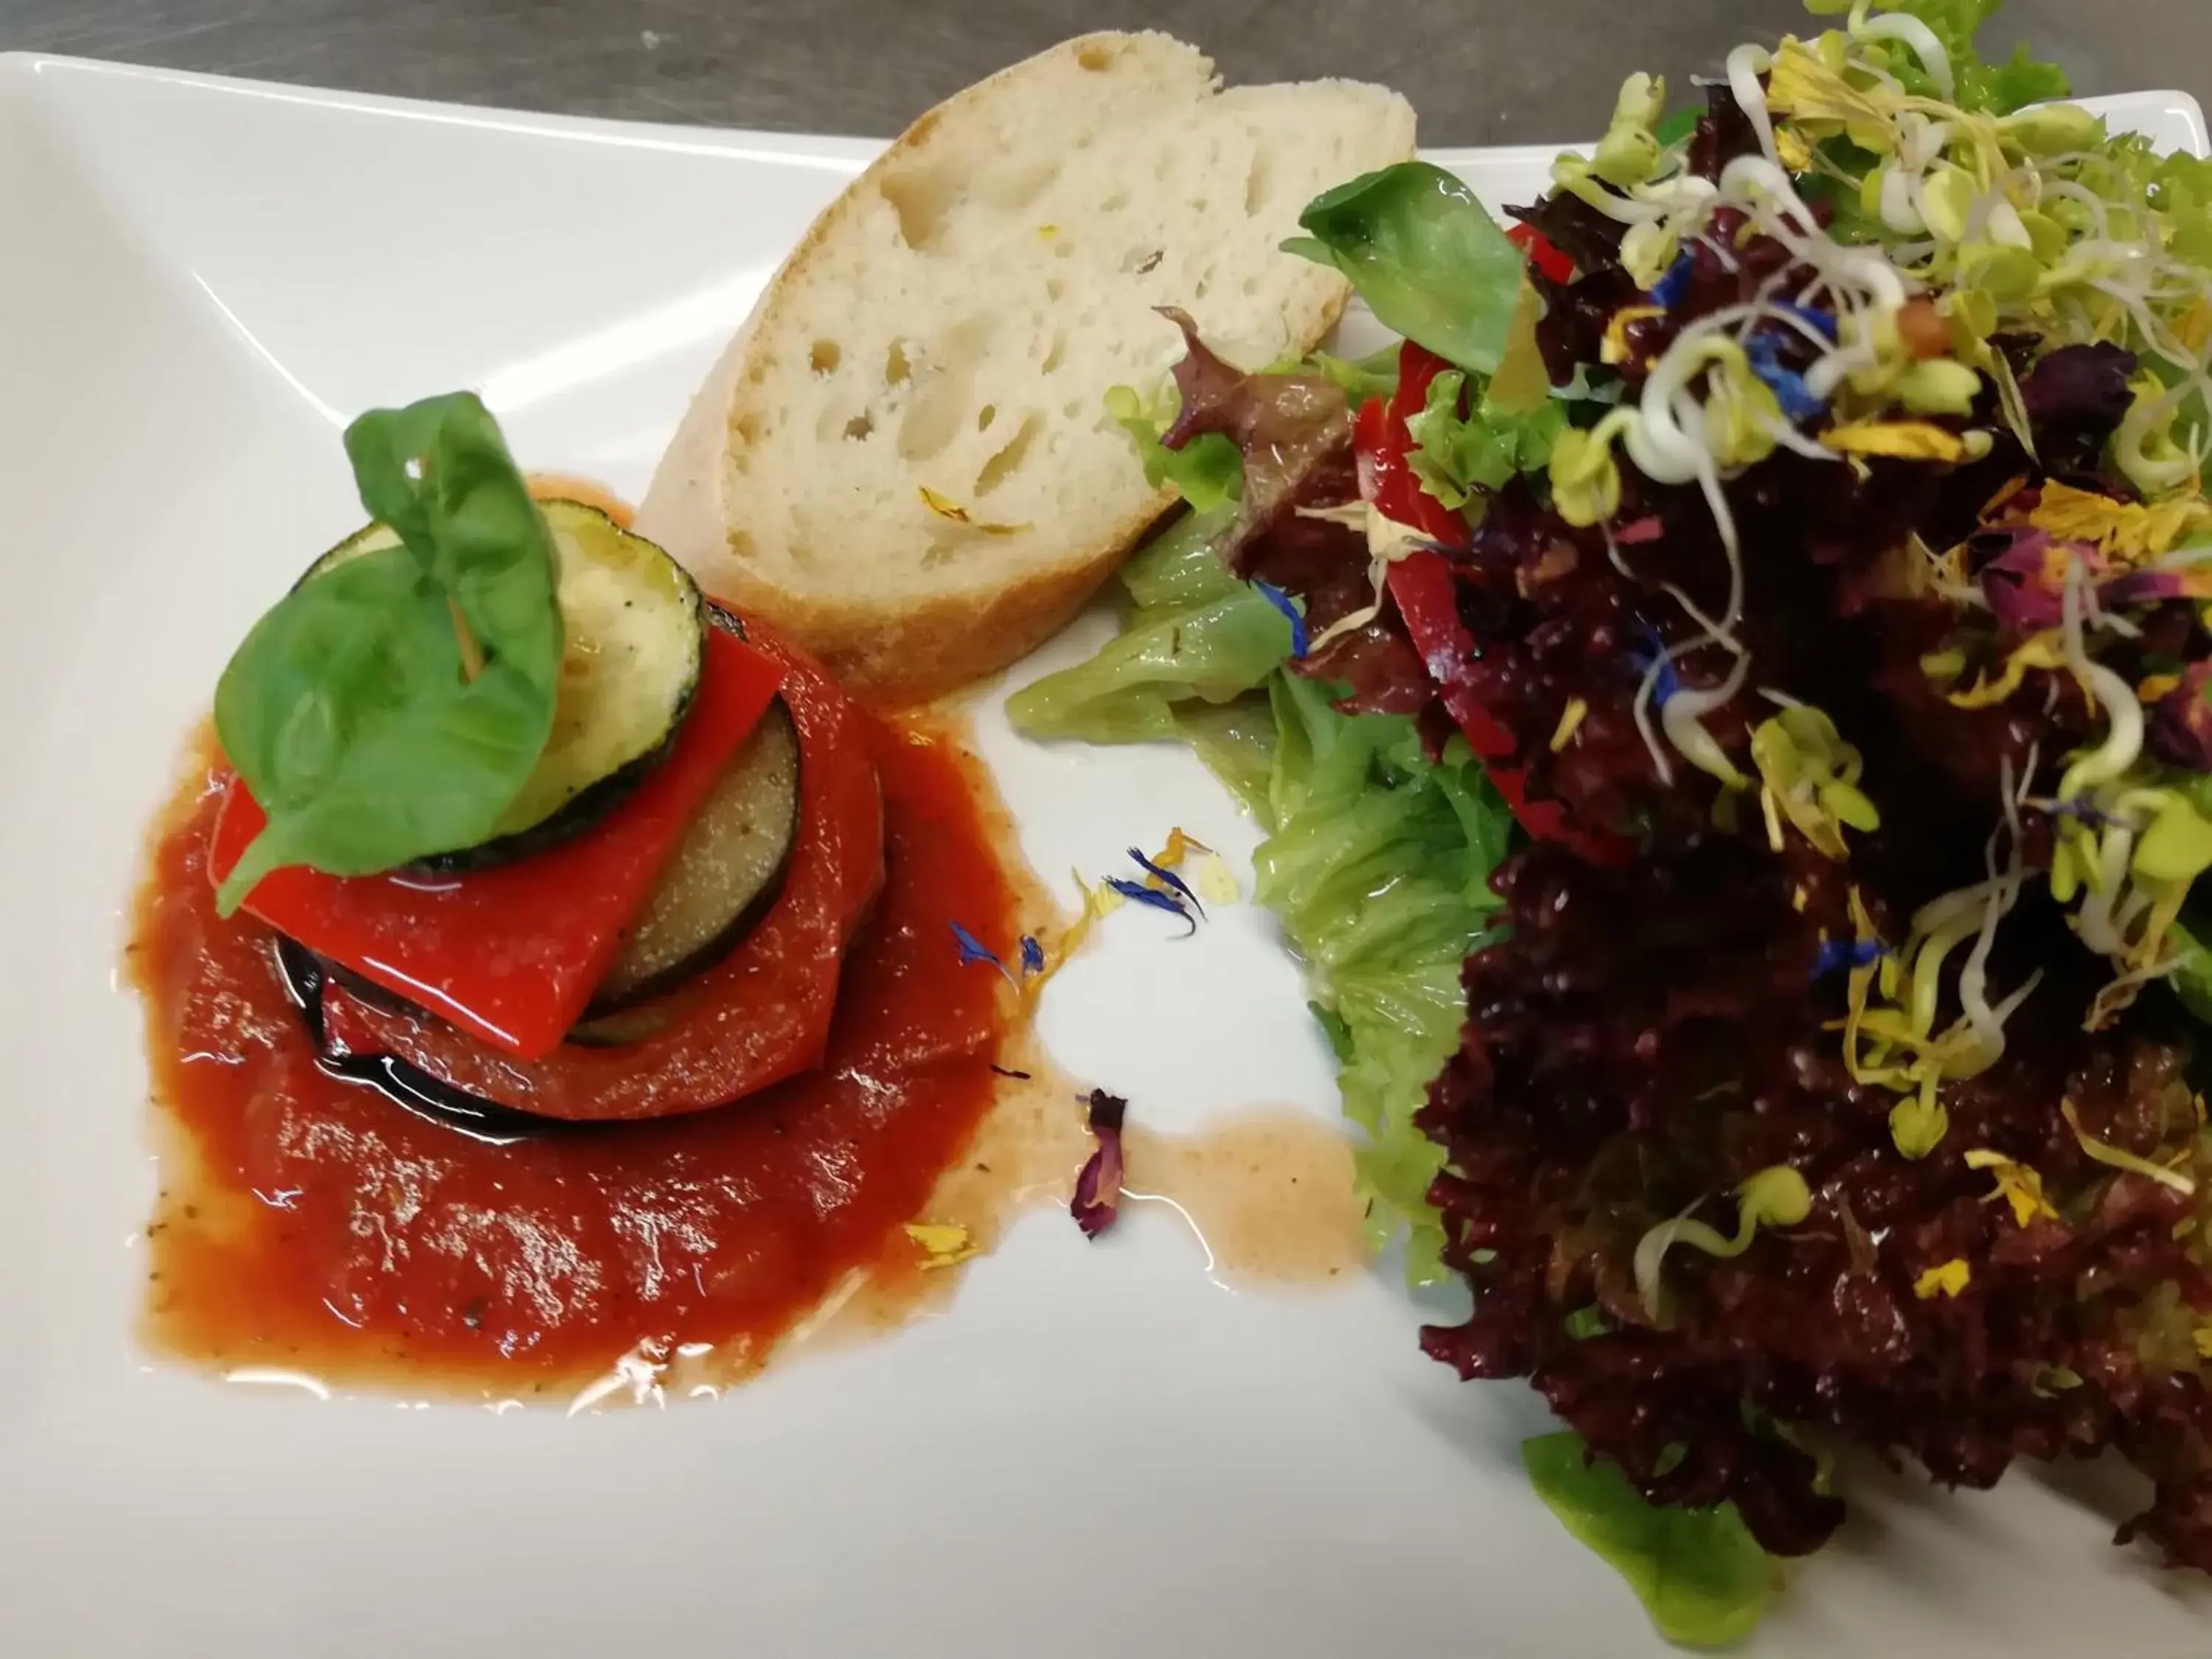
point(1479, 71)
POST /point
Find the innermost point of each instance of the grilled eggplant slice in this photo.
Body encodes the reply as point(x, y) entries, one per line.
point(636, 642)
point(725, 874)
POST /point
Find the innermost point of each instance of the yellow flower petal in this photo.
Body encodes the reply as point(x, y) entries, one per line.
point(1180, 843)
point(1215, 883)
point(950, 510)
point(1801, 84)
point(2125, 529)
point(1570, 720)
point(2017, 1184)
point(1947, 1278)
point(1099, 901)
point(1614, 349)
point(942, 1243)
point(2046, 650)
point(1905, 441)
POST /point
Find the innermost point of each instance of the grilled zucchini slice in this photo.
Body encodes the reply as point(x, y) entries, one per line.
point(725, 874)
point(635, 631)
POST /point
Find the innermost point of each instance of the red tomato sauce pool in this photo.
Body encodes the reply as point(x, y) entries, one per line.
point(312, 1225)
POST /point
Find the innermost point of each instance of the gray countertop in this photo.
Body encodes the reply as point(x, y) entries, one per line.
point(1479, 71)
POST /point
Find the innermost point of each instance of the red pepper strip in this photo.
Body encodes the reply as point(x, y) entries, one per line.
point(1422, 584)
point(511, 955)
point(1382, 442)
point(760, 1015)
point(1548, 260)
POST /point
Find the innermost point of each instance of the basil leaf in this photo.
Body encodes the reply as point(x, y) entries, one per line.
point(351, 710)
point(1699, 1573)
point(1426, 255)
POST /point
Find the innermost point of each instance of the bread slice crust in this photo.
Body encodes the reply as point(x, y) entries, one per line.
point(902, 458)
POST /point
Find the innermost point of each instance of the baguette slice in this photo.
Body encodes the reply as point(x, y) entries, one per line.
point(903, 459)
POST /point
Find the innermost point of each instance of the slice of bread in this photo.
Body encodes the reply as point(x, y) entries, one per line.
point(903, 458)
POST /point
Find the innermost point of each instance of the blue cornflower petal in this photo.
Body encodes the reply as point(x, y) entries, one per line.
point(1841, 955)
point(1788, 385)
point(1669, 288)
point(1823, 320)
point(1168, 877)
point(1282, 602)
point(973, 950)
point(1137, 893)
point(1654, 649)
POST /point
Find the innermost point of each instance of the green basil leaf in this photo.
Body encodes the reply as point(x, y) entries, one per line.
point(1699, 1573)
point(350, 711)
point(1426, 255)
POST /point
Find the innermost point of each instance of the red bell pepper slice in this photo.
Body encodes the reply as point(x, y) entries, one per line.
point(1422, 585)
point(511, 955)
point(1548, 259)
point(760, 1015)
point(1382, 441)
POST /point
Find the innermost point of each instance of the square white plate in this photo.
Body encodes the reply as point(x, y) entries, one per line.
point(1097, 1447)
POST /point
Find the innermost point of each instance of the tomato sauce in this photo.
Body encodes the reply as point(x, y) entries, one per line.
point(312, 1225)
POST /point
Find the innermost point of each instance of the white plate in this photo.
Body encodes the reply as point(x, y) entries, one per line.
point(1097, 1449)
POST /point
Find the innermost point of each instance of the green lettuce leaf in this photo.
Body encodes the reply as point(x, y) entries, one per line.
point(1236, 741)
point(1379, 868)
point(1362, 378)
point(2180, 187)
point(1699, 1573)
point(1131, 689)
point(1998, 88)
point(1424, 254)
point(1207, 471)
point(1197, 637)
point(1379, 860)
point(1454, 456)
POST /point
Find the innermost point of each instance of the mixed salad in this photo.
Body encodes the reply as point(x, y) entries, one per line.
point(1732, 700)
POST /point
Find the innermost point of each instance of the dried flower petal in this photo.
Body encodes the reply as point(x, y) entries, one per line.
point(943, 1244)
point(1300, 641)
point(1137, 893)
point(1946, 1278)
point(1162, 873)
point(973, 950)
point(1098, 1189)
point(946, 508)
